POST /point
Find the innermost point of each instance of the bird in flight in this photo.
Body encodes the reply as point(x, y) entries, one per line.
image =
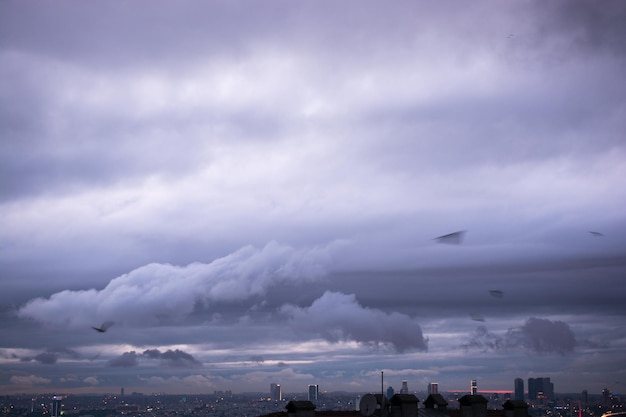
point(455, 238)
point(597, 234)
point(105, 326)
point(496, 293)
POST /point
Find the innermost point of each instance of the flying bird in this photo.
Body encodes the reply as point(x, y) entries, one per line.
point(496, 293)
point(455, 238)
point(105, 326)
point(597, 234)
point(477, 317)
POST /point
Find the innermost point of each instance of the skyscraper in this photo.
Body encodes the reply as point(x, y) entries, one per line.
point(56, 406)
point(405, 387)
point(519, 389)
point(540, 388)
point(276, 392)
point(313, 392)
point(473, 387)
point(433, 388)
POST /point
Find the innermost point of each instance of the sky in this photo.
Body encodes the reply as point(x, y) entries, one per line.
point(243, 193)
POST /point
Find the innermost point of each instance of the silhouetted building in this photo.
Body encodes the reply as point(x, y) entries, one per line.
point(473, 405)
point(436, 401)
point(515, 408)
point(473, 387)
point(433, 388)
point(276, 392)
point(56, 406)
point(404, 405)
point(405, 387)
point(519, 389)
point(300, 409)
point(584, 397)
point(313, 392)
point(540, 388)
point(390, 392)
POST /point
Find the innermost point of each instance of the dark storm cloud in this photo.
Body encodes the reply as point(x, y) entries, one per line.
point(172, 358)
point(541, 336)
point(545, 336)
point(125, 360)
point(339, 317)
point(51, 356)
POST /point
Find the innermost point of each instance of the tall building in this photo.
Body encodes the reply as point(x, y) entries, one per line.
point(56, 406)
point(390, 392)
point(473, 387)
point(405, 387)
point(276, 392)
point(313, 392)
point(540, 388)
point(519, 389)
point(433, 388)
point(584, 397)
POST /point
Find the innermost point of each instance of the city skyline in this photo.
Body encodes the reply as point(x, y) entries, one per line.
point(216, 195)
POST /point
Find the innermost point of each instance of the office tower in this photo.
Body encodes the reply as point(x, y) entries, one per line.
point(390, 392)
point(433, 388)
point(405, 387)
point(122, 392)
point(533, 388)
point(313, 392)
point(540, 388)
point(473, 387)
point(519, 389)
point(276, 392)
point(584, 397)
point(56, 406)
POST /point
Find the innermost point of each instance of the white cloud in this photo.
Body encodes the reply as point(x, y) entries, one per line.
point(162, 290)
point(29, 380)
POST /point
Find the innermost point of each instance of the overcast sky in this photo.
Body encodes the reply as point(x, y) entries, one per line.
point(251, 193)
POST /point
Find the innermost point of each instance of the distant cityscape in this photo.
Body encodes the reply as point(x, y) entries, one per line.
point(540, 397)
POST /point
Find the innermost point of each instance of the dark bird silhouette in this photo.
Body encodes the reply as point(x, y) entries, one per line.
point(105, 326)
point(455, 238)
point(597, 234)
point(496, 293)
point(477, 317)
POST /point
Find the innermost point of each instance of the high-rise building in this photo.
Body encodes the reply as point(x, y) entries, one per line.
point(313, 392)
point(405, 387)
point(433, 388)
point(122, 392)
point(390, 392)
point(56, 406)
point(584, 397)
point(473, 387)
point(540, 388)
point(276, 392)
point(519, 389)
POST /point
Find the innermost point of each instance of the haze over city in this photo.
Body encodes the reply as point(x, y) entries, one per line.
point(221, 195)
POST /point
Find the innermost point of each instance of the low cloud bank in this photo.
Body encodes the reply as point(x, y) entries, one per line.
point(156, 291)
point(536, 335)
point(339, 317)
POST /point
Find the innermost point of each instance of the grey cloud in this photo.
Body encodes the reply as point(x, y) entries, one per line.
point(545, 336)
point(125, 360)
point(51, 356)
point(536, 335)
point(152, 353)
point(339, 317)
point(172, 358)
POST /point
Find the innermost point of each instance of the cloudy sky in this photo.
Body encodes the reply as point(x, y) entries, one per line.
point(251, 193)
